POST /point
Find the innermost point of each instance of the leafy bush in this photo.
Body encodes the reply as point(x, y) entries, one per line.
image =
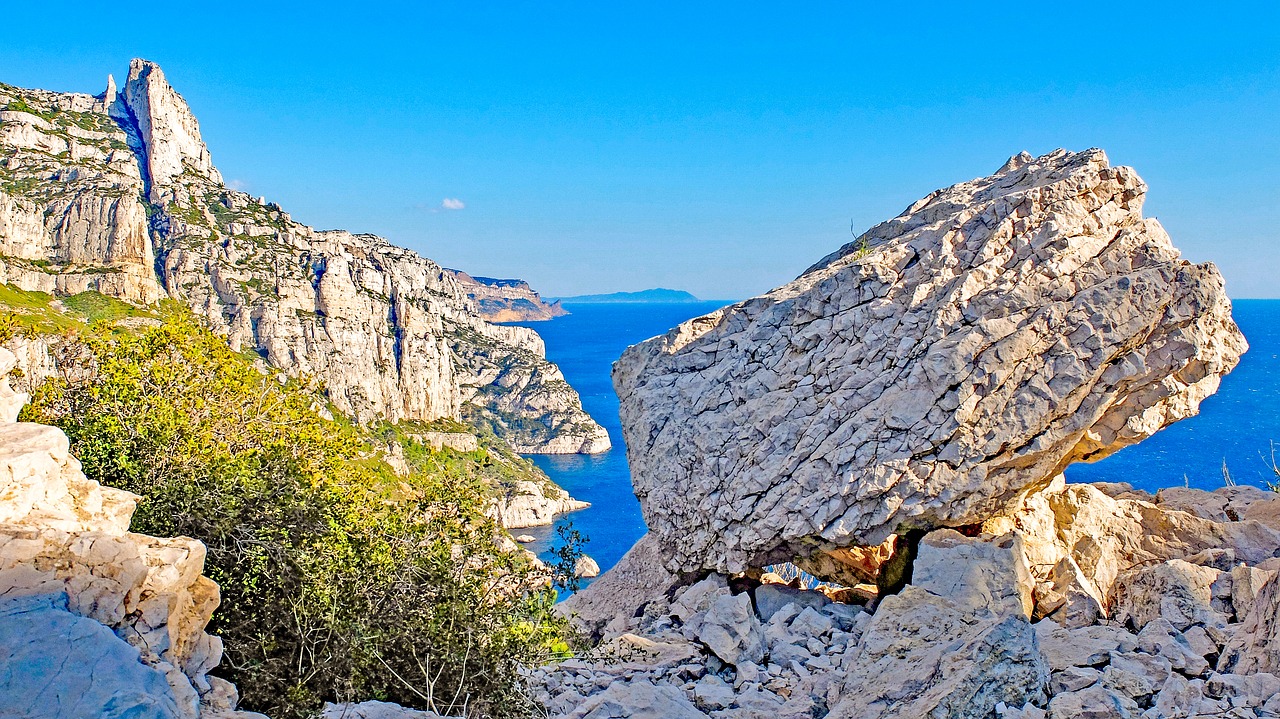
point(339, 580)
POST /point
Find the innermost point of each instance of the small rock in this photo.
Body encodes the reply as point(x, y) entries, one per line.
point(1176, 591)
point(1160, 638)
point(772, 597)
point(1200, 641)
point(1073, 679)
point(811, 623)
point(1264, 511)
point(638, 700)
point(748, 671)
point(1084, 647)
point(1179, 698)
point(1245, 583)
point(731, 631)
point(845, 615)
point(1136, 675)
point(1071, 599)
point(1095, 702)
point(1030, 711)
point(1251, 690)
point(711, 692)
point(586, 568)
point(989, 574)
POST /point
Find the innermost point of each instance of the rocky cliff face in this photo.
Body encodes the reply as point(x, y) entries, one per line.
point(507, 300)
point(95, 620)
point(118, 193)
point(928, 374)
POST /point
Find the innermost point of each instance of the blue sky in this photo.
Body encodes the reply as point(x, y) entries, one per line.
point(715, 147)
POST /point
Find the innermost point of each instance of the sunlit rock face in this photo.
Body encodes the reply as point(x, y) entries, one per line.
point(931, 373)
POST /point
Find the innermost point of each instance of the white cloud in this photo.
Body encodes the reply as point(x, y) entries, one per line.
point(240, 185)
point(452, 203)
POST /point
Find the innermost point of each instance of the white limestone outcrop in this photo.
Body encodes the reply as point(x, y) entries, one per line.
point(534, 504)
point(503, 300)
point(165, 125)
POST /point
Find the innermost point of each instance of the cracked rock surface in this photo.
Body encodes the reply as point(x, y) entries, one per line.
point(928, 374)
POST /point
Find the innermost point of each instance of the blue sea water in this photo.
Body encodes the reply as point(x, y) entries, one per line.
point(1235, 426)
point(585, 344)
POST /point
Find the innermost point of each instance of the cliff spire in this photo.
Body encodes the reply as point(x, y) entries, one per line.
point(109, 94)
point(168, 130)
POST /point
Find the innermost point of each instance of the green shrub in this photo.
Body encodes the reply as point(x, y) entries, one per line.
point(339, 580)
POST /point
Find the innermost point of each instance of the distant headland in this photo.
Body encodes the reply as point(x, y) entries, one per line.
point(657, 294)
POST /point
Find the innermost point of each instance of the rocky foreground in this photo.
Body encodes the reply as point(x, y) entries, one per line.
point(1077, 604)
point(117, 193)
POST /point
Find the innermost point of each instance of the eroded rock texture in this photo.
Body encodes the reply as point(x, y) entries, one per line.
point(118, 193)
point(929, 374)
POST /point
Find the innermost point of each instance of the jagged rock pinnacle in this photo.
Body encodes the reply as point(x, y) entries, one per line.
point(108, 95)
point(168, 130)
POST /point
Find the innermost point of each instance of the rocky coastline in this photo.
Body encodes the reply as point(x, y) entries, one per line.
point(507, 300)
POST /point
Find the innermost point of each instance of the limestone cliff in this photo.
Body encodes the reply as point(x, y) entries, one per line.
point(507, 300)
point(118, 193)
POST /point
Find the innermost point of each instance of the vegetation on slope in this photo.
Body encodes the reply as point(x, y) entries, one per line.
point(38, 313)
point(340, 580)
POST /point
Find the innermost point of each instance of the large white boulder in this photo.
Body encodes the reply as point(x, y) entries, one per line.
point(928, 374)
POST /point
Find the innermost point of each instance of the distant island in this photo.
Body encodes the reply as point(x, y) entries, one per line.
point(655, 295)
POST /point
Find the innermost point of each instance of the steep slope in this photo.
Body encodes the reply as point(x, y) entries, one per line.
point(118, 193)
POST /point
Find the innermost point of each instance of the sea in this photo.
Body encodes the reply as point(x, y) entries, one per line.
point(1232, 436)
